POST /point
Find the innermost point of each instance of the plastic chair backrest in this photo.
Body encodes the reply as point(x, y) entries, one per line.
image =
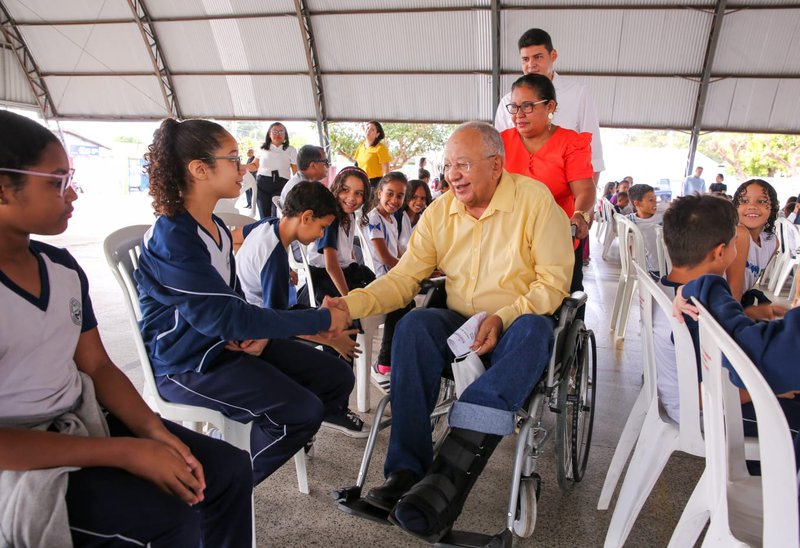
point(366, 244)
point(608, 211)
point(276, 201)
point(122, 249)
point(631, 245)
point(725, 454)
point(234, 220)
point(685, 361)
point(664, 262)
point(305, 266)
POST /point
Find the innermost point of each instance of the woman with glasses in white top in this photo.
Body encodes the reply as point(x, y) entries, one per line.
point(275, 164)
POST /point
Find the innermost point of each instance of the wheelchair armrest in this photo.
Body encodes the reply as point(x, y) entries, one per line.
point(436, 296)
point(569, 307)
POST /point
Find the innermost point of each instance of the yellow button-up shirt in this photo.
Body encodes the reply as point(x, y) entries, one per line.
point(516, 259)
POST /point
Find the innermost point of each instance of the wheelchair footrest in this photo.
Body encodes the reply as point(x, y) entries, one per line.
point(465, 539)
point(362, 509)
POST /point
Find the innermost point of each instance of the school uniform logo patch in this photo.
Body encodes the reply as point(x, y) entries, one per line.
point(75, 311)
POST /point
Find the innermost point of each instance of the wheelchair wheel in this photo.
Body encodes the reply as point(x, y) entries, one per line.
point(527, 507)
point(575, 405)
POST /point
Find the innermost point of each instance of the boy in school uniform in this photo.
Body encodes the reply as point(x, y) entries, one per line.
point(264, 273)
point(646, 217)
point(700, 236)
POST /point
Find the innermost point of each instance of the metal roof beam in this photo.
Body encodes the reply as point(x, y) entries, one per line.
point(15, 42)
point(314, 73)
point(702, 95)
point(495, 38)
point(160, 69)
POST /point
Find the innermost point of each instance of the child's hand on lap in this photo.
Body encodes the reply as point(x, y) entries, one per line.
point(346, 346)
point(165, 467)
point(254, 347)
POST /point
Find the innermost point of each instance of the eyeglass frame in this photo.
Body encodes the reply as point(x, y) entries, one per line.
point(447, 168)
point(517, 108)
point(237, 159)
point(323, 161)
point(66, 178)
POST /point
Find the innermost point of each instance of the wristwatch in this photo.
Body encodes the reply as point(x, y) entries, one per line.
point(585, 214)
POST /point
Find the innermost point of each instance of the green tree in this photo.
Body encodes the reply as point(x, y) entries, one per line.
point(754, 155)
point(405, 140)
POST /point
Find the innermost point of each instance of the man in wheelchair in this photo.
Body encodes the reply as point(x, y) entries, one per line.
point(505, 248)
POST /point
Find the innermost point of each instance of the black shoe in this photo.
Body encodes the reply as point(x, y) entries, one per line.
point(348, 423)
point(395, 486)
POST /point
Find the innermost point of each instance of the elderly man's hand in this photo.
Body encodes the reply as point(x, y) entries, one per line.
point(488, 335)
point(340, 316)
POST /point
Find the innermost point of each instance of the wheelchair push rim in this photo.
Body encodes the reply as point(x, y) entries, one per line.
point(575, 405)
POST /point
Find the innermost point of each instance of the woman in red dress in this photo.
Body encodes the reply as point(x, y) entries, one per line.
point(560, 158)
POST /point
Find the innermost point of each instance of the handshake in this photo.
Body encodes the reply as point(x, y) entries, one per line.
point(340, 316)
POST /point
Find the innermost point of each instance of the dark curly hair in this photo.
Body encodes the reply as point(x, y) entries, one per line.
point(174, 145)
point(22, 142)
point(391, 177)
point(336, 188)
point(769, 228)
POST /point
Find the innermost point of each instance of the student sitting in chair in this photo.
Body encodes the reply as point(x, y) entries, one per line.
point(70, 472)
point(506, 248)
point(646, 218)
point(263, 261)
point(700, 235)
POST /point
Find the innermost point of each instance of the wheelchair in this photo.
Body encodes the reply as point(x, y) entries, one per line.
point(566, 389)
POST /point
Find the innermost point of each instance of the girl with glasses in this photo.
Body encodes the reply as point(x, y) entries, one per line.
point(275, 164)
point(93, 476)
point(207, 345)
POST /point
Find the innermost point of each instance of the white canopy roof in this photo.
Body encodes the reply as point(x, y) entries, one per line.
point(697, 65)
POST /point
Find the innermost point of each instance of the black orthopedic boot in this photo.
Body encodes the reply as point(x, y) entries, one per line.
point(430, 508)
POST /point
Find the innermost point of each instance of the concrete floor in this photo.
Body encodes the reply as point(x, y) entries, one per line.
point(286, 517)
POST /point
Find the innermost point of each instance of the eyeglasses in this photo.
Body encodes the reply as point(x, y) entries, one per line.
point(462, 167)
point(761, 202)
point(237, 159)
point(277, 131)
point(526, 107)
point(324, 161)
point(64, 180)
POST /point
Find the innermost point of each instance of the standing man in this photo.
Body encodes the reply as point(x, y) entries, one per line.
point(576, 109)
point(694, 184)
point(312, 165)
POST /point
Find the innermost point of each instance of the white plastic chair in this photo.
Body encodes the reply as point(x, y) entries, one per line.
point(611, 227)
point(631, 249)
point(122, 249)
point(654, 434)
point(744, 509)
point(664, 262)
point(786, 256)
point(369, 326)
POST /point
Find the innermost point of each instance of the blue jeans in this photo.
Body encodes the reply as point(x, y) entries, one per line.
point(419, 357)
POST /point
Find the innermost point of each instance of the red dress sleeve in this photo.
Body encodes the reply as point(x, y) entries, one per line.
point(578, 157)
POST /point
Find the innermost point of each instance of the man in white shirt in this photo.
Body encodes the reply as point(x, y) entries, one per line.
point(576, 109)
point(694, 184)
point(312, 165)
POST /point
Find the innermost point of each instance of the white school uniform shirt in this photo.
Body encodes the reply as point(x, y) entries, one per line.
point(758, 255)
point(38, 337)
point(381, 228)
point(648, 229)
point(405, 232)
point(336, 237)
point(276, 158)
point(576, 110)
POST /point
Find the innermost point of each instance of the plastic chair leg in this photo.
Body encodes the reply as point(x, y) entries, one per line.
point(302, 475)
point(694, 516)
point(782, 275)
point(610, 237)
point(656, 443)
point(362, 364)
point(622, 323)
point(630, 433)
point(617, 302)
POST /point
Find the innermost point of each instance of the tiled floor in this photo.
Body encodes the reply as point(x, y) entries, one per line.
point(286, 517)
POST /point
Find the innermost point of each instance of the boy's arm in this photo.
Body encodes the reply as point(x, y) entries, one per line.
point(772, 346)
point(334, 269)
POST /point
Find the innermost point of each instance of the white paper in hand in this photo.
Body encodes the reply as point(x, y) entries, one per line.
point(467, 365)
point(461, 341)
